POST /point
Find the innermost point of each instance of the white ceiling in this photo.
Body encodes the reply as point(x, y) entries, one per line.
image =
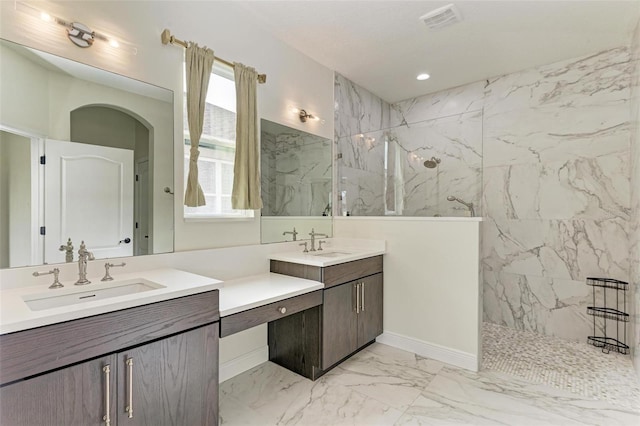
point(382, 45)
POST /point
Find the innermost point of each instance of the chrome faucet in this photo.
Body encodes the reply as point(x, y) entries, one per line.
point(84, 255)
point(68, 251)
point(313, 239)
point(467, 205)
point(294, 233)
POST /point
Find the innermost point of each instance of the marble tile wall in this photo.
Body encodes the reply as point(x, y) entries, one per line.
point(635, 201)
point(456, 141)
point(403, 136)
point(360, 117)
point(296, 173)
point(556, 190)
point(359, 111)
point(555, 163)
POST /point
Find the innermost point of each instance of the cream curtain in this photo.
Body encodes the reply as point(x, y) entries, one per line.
point(246, 171)
point(199, 61)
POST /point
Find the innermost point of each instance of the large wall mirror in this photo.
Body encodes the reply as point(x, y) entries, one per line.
point(85, 154)
point(296, 183)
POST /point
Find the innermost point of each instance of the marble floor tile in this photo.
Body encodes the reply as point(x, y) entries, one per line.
point(331, 403)
point(393, 377)
point(382, 385)
point(460, 397)
point(260, 396)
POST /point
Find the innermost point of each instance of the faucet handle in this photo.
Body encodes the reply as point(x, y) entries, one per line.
point(320, 243)
point(55, 272)
point(107, 276)
point(305, 247)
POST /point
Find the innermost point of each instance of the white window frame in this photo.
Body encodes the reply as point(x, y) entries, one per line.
point(225, 72)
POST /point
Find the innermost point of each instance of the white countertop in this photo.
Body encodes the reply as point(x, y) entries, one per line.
point(15, 315)
point(257, 290)
point(332, 254)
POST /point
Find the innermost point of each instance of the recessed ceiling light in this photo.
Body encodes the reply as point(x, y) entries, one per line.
point(423, 76)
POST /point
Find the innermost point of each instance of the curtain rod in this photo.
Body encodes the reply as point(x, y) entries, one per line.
point(167, 38)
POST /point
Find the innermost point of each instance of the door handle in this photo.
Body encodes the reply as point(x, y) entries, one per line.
point(107, 390)
point(357, 298)
point(126, 241)
point(129, 408)
point(362, 298)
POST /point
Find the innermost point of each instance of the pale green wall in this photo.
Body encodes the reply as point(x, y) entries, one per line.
point(15, 200)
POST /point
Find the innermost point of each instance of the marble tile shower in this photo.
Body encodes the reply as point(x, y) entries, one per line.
point(382, 172)
point(551, 150)
point(556, 190)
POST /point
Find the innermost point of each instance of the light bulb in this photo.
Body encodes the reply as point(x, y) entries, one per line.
point(45, 16)
point(114, 43)
point(423, 76)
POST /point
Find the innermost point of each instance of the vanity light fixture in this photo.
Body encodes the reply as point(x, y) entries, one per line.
point(423, 76)
point(79, 34)
point(304, 115)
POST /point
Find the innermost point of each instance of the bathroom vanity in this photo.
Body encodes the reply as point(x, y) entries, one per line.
point(349, 318)
point(155, 363)
point(143, 349)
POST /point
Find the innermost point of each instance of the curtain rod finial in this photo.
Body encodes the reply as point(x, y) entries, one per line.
point(165, 36)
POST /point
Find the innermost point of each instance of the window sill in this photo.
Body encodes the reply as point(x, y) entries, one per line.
point(219, 218)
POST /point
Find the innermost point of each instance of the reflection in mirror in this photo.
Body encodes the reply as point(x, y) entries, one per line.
point(84, 155)
point(296, 183)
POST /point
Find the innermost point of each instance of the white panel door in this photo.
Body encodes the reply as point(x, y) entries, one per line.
point(88, 196)
point(141, 209)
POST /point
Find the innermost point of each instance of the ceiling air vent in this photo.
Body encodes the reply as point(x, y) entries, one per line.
point(441, 17)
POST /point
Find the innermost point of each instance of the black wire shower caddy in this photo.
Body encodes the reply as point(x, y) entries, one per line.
point(617, 314)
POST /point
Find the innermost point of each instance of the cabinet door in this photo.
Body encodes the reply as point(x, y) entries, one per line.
point(173, 381)
point(339, 323)
point(70, 396)
point(370, 317)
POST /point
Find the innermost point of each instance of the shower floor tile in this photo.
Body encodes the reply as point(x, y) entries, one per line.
point(572, 366)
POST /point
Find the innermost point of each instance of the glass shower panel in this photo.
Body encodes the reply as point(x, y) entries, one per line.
point(361, 174)
point(412, 170)
point(393, 176)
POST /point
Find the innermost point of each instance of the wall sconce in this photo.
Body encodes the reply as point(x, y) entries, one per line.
point(304, 115)
point(78, 33)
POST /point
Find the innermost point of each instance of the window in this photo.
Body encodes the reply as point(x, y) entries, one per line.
point(217, 148)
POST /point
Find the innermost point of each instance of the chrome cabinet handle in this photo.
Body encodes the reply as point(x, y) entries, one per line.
point(357, 298)
point(107, 394)
point(129, 408)
point(282, 310)
point(362, 297)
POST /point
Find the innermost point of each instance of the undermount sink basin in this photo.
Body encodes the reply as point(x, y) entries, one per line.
point(331, 254)
point(89, 293)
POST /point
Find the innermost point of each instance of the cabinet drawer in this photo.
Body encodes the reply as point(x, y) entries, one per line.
point(345, 272)
point(263, 314)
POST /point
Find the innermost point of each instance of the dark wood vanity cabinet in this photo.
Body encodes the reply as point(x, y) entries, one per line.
point(352, 318)
point(172, 381)
point(162, 361)
point(71, 396)
point(349, 318)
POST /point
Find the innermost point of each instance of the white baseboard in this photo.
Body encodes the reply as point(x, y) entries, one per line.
point(243, 363)
point(431, 350)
